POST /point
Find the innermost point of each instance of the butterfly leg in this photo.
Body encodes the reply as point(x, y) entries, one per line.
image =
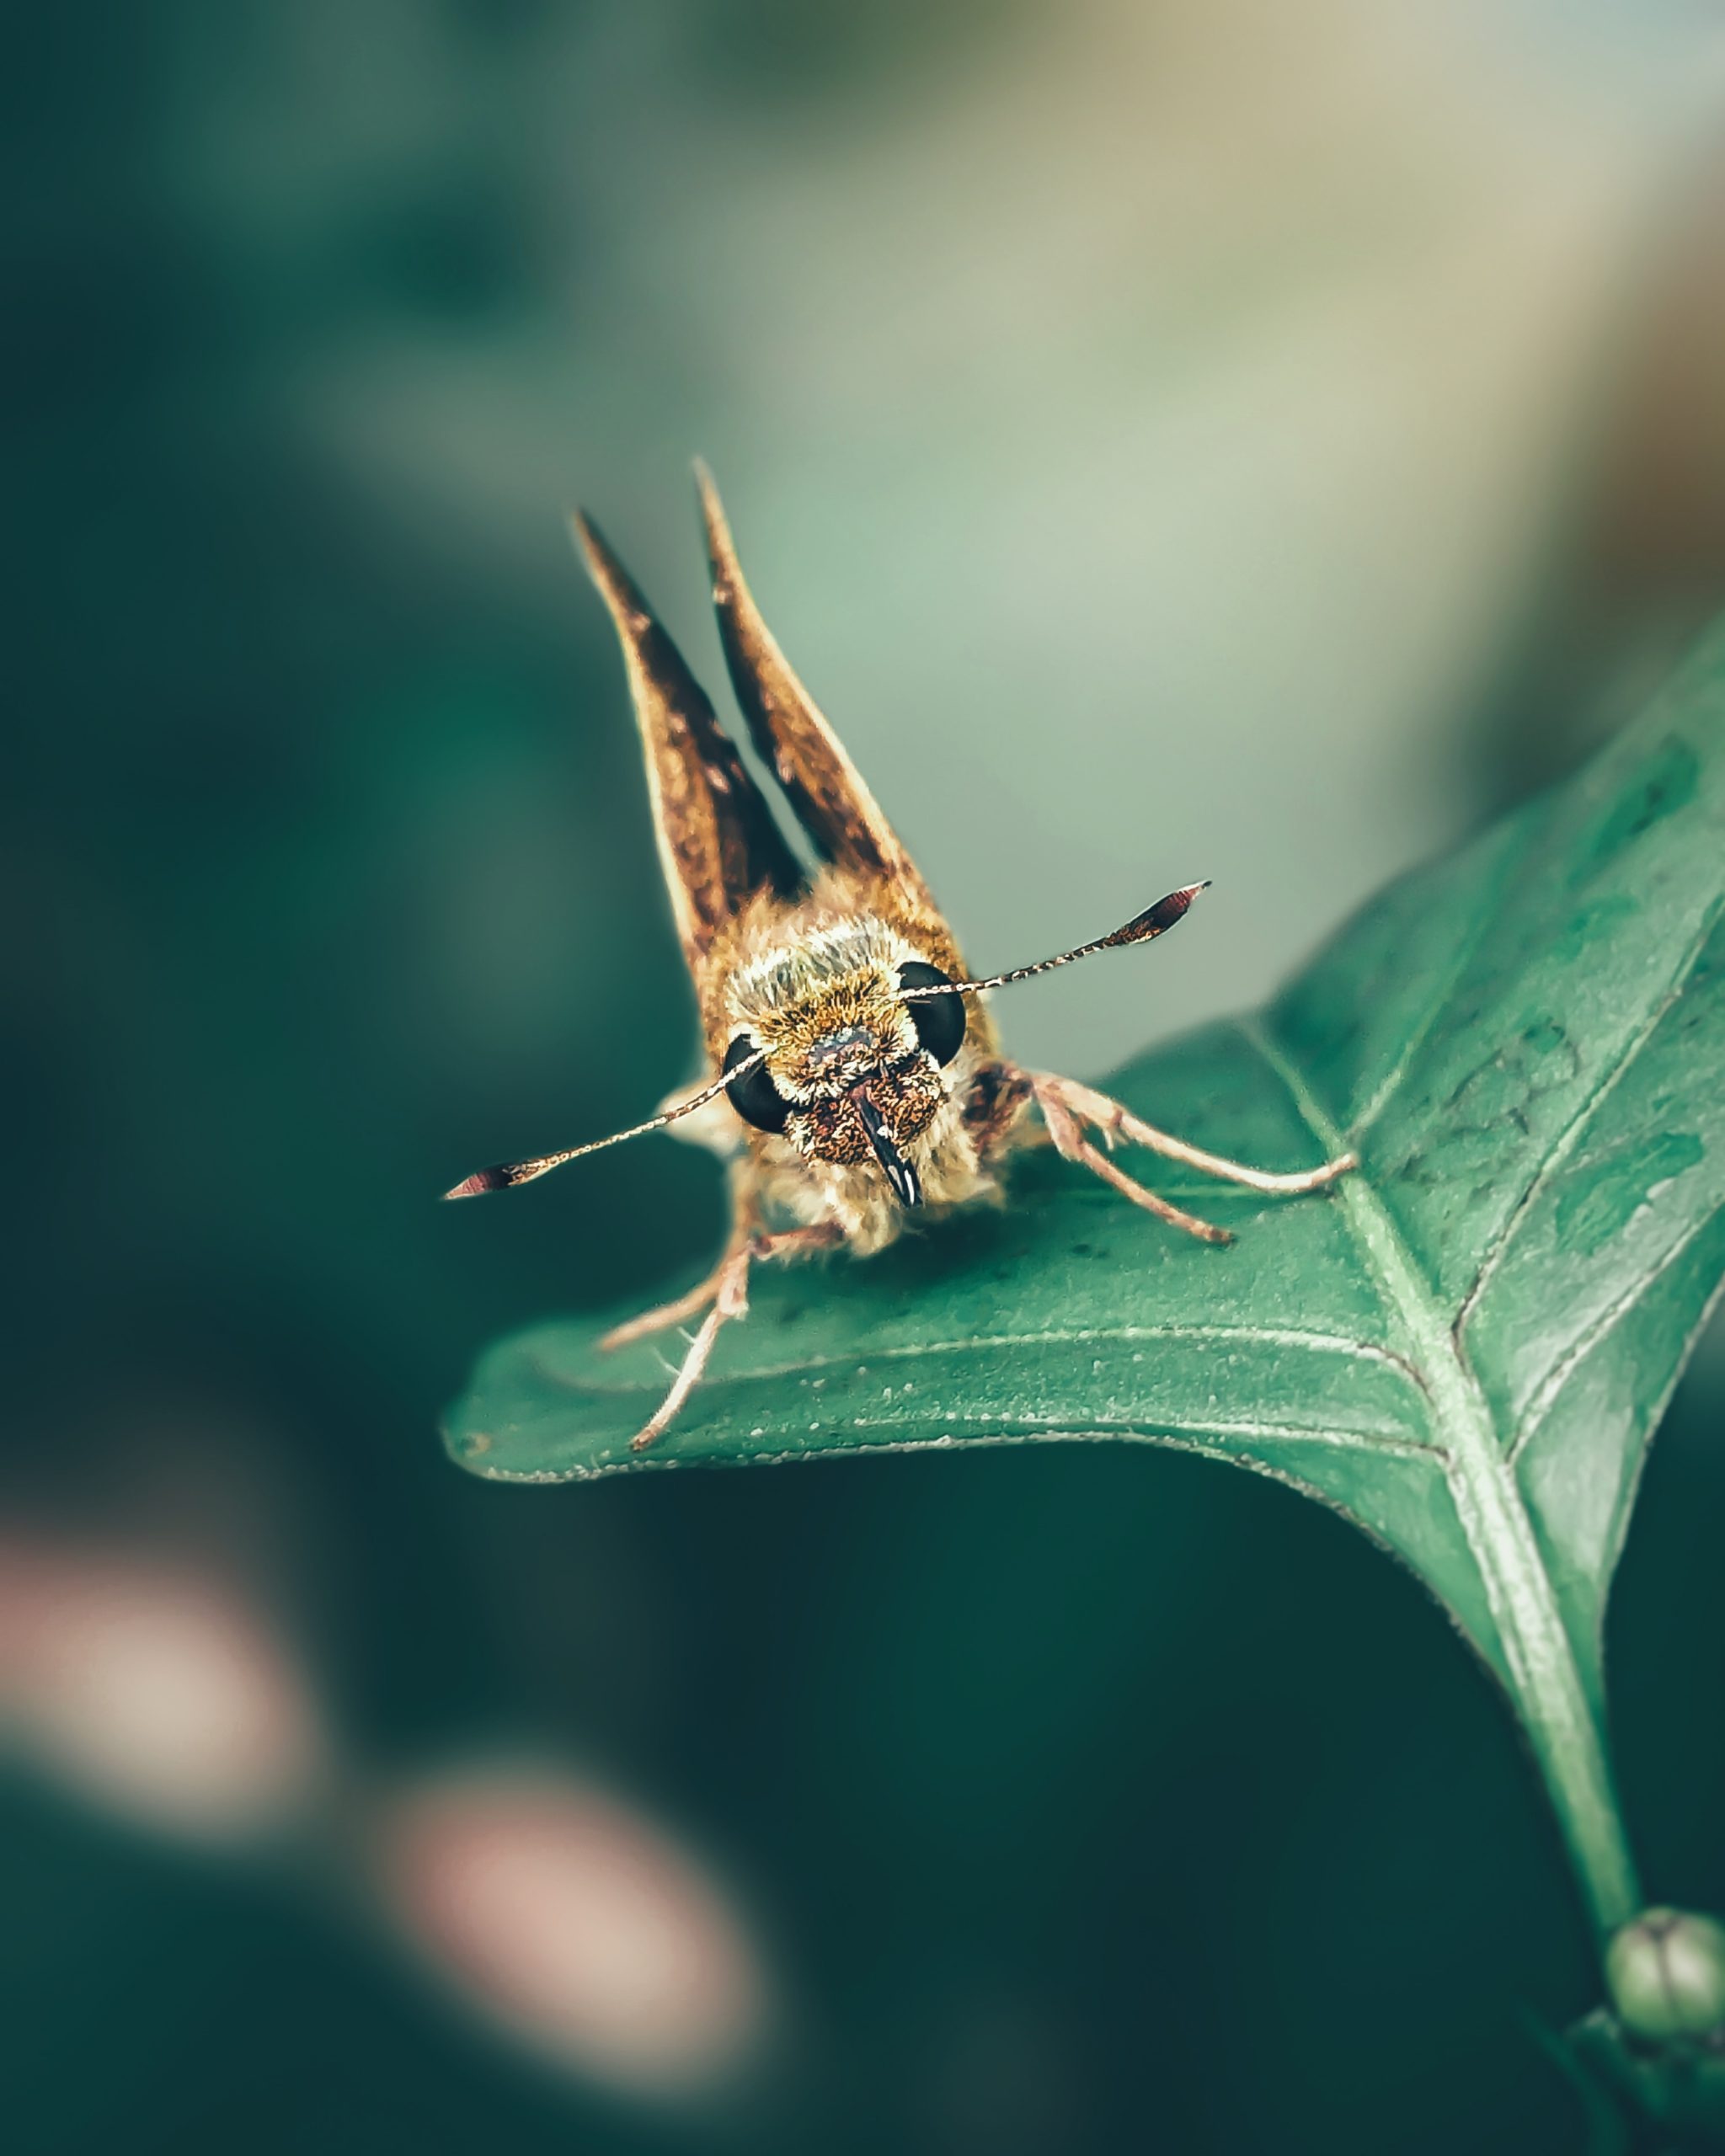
point(1115, 1121)
point(664, 1315)
point(727, 1289)
point(745, 1229)
point(1066, 1130)
point(1067, 1106)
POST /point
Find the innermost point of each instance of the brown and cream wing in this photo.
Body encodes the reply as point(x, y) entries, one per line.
point(717, 838)
point(842, 817)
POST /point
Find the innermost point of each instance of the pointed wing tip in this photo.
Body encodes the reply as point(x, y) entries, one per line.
point(586, 536)
point(614, 583)
point(721, 552)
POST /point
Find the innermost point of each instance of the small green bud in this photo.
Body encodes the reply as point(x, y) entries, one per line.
point(1666, 1972)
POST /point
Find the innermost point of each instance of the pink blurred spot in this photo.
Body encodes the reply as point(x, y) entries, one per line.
point(157, 1693)
point(580, 1926)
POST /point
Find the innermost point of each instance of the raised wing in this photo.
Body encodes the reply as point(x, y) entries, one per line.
point(717, 837)
point(842, 817)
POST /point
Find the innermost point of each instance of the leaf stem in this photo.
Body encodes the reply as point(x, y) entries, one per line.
point(1539, 1662)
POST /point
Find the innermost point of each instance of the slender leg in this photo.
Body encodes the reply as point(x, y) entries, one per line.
point(731, 1299)
point(728, 1290)
point(1071, 1145)
point(745, 1227)
point(665, 1315)
point(1113, 1121)
point(1066, 1107)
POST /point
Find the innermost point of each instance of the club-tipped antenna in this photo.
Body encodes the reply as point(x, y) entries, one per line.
point(1142, 928)
point(508, 1173)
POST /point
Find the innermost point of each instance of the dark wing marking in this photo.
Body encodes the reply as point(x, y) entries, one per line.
point(843, 819)
point(717, 837)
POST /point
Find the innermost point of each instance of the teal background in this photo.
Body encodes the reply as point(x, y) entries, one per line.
point(1173, 440)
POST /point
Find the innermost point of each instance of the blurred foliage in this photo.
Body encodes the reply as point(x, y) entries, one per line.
point(326, 865)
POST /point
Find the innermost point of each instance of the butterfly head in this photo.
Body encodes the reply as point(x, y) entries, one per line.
point(853, 1074)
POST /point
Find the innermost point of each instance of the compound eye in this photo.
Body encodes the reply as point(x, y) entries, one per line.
point(754, 1096)
point(939, 1020)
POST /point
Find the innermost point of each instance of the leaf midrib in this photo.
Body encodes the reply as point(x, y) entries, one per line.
point(1539, 1656)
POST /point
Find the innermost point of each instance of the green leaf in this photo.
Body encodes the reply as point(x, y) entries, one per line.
point(1464, 1348)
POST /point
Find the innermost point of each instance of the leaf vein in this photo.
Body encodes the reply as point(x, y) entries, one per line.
point(1176, 1437)
point(1076, 1337)
point(1573, 1131)
point(1546, 1393)
point(1437, 1004)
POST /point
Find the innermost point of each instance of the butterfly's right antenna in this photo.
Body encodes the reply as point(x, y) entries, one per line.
point(1142, 928)
point(508, 1173)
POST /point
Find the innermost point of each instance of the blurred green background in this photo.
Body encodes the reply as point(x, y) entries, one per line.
point(1233, 440)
